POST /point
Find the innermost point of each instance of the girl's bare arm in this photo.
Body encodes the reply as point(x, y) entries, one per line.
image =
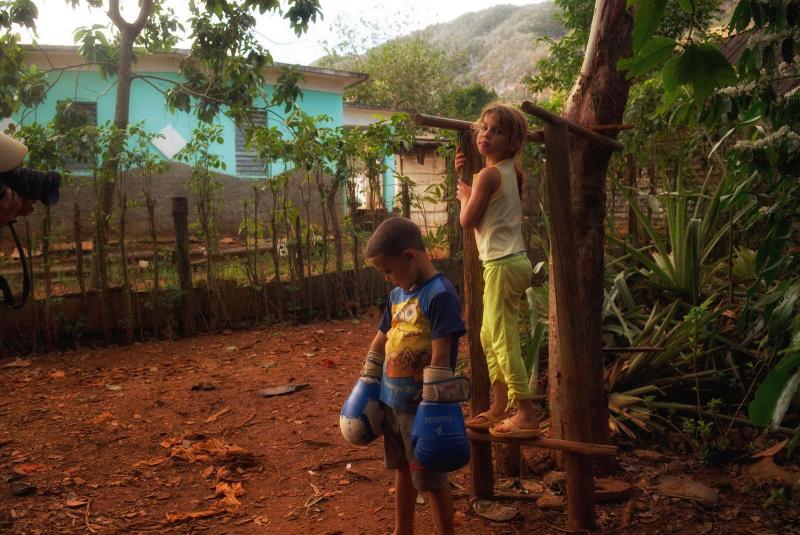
point(474, 199)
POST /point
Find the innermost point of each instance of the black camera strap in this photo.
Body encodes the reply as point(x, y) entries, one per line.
point(8, 296)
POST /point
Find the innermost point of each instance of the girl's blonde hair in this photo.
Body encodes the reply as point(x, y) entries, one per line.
point(515, 124)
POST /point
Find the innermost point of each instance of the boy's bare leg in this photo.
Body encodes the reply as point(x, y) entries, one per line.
point(405, 500)
point(442, 505)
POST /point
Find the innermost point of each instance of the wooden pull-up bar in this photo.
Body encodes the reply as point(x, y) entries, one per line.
point(577, 445)
point(573, 382)
point(534, 136)
point(573, 127)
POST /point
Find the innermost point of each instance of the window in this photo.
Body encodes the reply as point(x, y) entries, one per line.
point(75, 115)
point(247, 161)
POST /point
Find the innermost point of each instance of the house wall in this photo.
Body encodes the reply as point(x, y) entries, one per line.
point(428, 215)
point(233, 193)
point(148, 105)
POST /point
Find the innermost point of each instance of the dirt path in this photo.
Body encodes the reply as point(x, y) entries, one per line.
point(129, 440)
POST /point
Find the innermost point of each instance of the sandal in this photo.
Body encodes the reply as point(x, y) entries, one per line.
point(483, 421)
point(513, 430)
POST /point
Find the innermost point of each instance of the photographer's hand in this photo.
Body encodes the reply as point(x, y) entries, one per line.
point(12, 206)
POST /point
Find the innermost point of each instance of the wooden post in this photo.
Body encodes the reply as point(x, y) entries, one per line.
point(180, 217)
point(405, 192)
point(573, 382)
point(630, 181)
point(481, 460)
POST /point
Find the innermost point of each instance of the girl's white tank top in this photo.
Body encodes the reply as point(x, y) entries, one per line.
point(499, 232)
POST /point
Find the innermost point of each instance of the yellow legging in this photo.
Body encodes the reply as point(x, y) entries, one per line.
point(505, 280)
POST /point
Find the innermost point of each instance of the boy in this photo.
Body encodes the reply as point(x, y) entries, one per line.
point(420, 327)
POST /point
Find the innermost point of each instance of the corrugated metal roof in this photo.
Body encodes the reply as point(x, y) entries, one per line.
point(733, 47)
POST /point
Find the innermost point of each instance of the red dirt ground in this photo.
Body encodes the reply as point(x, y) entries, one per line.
point(93, 431)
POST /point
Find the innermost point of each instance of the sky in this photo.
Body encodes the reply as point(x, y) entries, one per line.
point(393, 17)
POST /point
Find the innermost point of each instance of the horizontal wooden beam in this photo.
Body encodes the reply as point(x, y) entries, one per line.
point(432, 121)
point(534, 136)
point(572, 126)
point(548, 443)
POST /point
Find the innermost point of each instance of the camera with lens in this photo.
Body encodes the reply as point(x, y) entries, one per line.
point(29, 184)
point(36, 185)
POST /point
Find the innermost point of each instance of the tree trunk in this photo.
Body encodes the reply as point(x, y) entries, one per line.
point(156, 290)
point(276, 257)
point(34, 335)
point(454, 244)
point(339, 291)
point(78, 237)
point(301, 277)
point(598, 97)
point(128, 32)
point(326, 295)
point(48, 284)
point(405, 193)
point(630, 181)
point(123, 259)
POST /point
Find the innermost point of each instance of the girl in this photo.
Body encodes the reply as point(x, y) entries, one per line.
point(493, 208)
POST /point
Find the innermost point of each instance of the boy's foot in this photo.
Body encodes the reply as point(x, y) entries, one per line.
point(484, 421)
point(509, 428)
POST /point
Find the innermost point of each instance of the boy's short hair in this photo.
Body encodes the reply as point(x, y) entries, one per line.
point(393, 236)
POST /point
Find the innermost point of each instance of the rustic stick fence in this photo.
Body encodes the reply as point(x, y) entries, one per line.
point(78, 319)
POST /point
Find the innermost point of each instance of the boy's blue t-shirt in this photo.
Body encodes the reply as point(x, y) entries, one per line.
point(411, 321)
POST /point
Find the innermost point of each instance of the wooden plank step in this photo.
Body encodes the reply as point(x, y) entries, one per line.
point(548, 443)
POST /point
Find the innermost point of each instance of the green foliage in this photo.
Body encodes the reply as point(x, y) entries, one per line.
point(654, 52)
point(646, 20)
point(779, 387)
point(96, 48)
point(467, 102)
point(404, 74)
point(19, 85)
point(682, 263)
point(666, 18)
point(198, 153)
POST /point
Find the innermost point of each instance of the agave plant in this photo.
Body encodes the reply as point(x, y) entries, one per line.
point(680, 262)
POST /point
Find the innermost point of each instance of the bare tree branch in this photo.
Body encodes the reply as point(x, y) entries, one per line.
point(136, 26)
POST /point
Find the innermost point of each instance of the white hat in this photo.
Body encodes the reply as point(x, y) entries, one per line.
point(11, 152)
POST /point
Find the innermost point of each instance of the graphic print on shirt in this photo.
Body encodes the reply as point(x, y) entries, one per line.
point(408, 351)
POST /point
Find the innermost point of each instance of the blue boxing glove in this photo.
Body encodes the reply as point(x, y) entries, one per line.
point(362, 416)
point(439, 435)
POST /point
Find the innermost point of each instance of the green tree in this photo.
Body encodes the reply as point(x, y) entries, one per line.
point(752, 111)
point(19, 86)
point(404, 73)
point(559, 70)
point(224, 67)
point(467, 102)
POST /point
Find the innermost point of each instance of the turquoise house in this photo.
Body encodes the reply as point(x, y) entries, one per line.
point(322, 94)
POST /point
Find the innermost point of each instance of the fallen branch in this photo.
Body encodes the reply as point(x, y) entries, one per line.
point(247, 420)
point(86, 517)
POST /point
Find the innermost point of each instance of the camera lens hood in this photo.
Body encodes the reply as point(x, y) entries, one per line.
point(11, 152)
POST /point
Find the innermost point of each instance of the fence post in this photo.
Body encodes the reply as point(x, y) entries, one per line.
point(180, 217)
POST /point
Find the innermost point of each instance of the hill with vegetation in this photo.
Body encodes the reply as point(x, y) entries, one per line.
point(495, 47)
point(501, 44)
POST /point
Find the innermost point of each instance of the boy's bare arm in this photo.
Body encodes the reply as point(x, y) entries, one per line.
point(378, 344)
point(440, 352)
